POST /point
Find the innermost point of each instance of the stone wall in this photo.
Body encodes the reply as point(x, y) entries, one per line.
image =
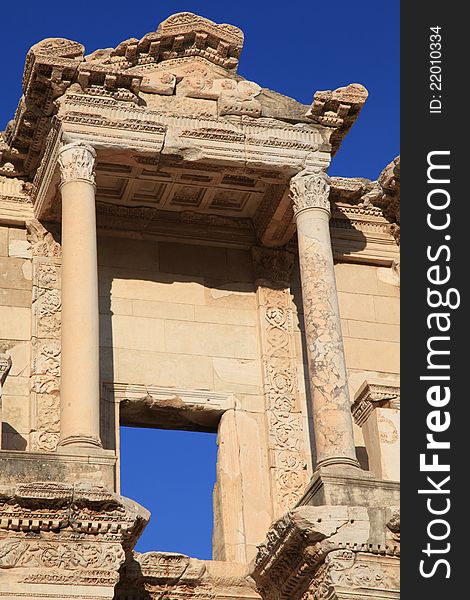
point(15, 335)
point(191, 317)
point(185, 316)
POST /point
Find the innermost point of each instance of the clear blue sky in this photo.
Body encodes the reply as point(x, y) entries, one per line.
point(295, 48)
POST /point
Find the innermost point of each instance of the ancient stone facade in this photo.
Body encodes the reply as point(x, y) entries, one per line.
point(173, 254)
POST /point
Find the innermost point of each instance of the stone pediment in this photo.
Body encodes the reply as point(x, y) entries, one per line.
point(188, 66)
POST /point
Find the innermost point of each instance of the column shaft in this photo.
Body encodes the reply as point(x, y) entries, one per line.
point(79, 387)
point(331, 407)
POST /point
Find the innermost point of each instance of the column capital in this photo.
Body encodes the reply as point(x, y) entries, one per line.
point(77, 163)
point(309, 189)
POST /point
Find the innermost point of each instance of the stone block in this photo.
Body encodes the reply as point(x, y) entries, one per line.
point(387, 282)
point(19, 248)
point(16, 323)
point(237, 375)
point(109, 305)
point(188, 259)
point(15, 273)
point(239, 265)
point(20, 357)
point(16, 386)
point(229, 528)
point(359, 307)
point(19, 298)
point(248, 402)
point(133, 333)
point(163, 310)
point(356, 279)
point(208, 339)
point(164, 369)
point(127, 253)
point(372, 331)
point(3, 241)
point(17, 234)
point(15, 413)
point(387, 310)
point(227, 316)
point(231, 295)
point(255, 470)
point(158, 288)
point(372, 355)
point(382, 439)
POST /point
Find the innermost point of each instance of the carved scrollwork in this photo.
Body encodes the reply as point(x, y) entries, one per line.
point(287, 458)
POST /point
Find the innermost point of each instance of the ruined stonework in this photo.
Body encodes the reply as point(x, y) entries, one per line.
point(174, 255)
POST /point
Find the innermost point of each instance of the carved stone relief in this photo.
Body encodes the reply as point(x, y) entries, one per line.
point(45, 342)
point(54, 533)
point(284, 418)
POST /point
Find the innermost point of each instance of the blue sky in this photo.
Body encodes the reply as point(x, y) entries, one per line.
point(295, 48)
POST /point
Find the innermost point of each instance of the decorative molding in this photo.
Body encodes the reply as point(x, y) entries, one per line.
point(77, 163)
point(310, 190)
point(45, 337)
point(66, 534)
point(284, 424)
point(371, 395)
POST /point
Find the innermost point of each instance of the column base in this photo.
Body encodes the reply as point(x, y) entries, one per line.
point(345, 485)
point(340, 461)
point(80, 441)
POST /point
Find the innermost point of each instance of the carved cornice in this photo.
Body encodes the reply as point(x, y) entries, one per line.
point(381, 197)
point(77, 163)
point(338, 109)
point(372, 395)
point(310, 190)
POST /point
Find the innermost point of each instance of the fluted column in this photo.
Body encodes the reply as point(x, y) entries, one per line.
point(333, 426)
point(79, 385)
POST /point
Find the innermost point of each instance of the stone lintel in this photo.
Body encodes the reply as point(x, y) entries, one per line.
point(170, 408)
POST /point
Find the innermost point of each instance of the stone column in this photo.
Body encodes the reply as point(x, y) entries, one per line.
point(79, 386)
point(333, 426)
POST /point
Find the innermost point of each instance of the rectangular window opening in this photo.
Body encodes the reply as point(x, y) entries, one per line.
point(172, 473)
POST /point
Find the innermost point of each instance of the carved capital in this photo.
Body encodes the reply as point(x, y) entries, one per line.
point(310, 190)
point(77, 162)
point(272, 265)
